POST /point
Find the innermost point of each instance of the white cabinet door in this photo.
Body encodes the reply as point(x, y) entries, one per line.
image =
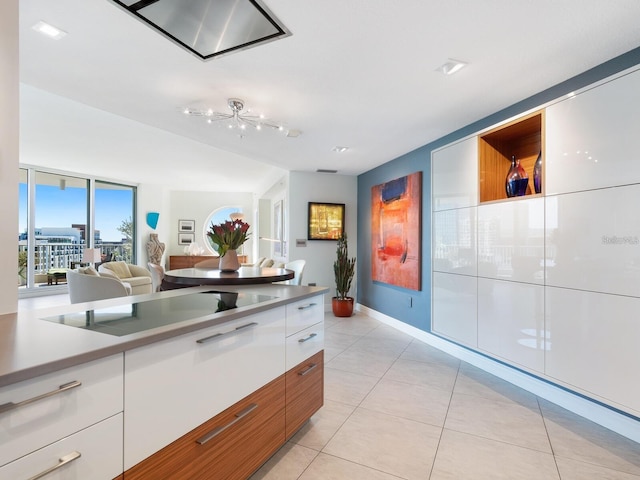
point(594, 240)
point(454, 241)
point(592, 139)
point(304, 344)
point(454, 175)
point(173, 386)
point(511, 240)
point(79, 396)
point(511, 322)
point(455, 303)
point(594, 344)
point(94, 453)
point(304, 313)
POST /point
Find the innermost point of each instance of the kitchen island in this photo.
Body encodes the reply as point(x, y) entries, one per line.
point(163, 385)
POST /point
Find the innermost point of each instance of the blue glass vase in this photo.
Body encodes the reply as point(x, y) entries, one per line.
point(537, 174)
point(517, 179)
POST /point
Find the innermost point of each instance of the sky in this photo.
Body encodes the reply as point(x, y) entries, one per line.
point(62, 208)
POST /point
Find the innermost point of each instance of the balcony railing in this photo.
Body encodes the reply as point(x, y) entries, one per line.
point(53, 256)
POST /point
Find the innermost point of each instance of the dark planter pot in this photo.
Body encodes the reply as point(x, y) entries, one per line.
point(342, 307)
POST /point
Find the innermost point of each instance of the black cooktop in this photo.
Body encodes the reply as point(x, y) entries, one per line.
point(137, 317)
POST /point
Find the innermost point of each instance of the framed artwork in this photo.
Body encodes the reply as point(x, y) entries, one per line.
point(278, 228)
point(395, 231)
point(325, 221)
point(186, 238)
point(188, 226)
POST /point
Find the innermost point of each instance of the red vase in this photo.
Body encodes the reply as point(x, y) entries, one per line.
point(342, 307)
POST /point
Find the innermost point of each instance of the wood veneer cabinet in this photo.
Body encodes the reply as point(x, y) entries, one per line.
point(305, 392)
point(230, 446)
point(188, 261)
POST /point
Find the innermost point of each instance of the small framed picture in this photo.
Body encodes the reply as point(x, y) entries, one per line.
point(326, 221)
point(186, 238)
point(188, 226)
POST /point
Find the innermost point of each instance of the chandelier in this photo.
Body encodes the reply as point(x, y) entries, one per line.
point(239, 120)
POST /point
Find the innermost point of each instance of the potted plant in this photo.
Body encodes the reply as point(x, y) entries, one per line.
point(343, 269)
point(22, 267)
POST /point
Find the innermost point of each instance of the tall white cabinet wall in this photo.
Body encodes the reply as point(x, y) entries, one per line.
point(551, 283)
point(454, 243)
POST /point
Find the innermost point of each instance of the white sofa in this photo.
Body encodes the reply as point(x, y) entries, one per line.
point(138, 277)
point(87, 285)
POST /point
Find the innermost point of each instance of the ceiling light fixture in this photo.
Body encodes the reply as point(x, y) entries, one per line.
point(340, 149)
point(452, 66)
point(237, 120)
point(49, 30)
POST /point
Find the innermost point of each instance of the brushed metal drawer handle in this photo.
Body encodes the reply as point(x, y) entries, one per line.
point(6, 407)
point(311, 335)
point(218, 335)
point(311, 367)
point(62, 461)
point(218, 430)
point(308, 305)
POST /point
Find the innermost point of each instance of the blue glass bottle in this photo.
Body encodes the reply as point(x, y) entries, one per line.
point(517, 179)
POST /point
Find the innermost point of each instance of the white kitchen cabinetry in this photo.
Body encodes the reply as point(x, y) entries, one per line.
point(594, 240)
point(511, 240)
point(455, 175)
point(305, 330)
point(305, 362)
point(303, 314)
point(594, 344)
point(511, 322)
point(455, 307)
point(556, 289)
point(454, 241)
point(94, 453)
point(592, 138)
point(38, 412)
point(173, 386)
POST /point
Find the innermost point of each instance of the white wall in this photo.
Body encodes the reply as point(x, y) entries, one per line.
point(152, 198)
point(320, 254)
point(198, 206)
point(9, 146)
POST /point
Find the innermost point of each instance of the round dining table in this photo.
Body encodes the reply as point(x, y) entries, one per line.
point(190, 277)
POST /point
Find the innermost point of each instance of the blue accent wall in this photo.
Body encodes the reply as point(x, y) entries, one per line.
point(414, 307)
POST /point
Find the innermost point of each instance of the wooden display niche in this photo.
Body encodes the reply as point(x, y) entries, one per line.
point(523, 138)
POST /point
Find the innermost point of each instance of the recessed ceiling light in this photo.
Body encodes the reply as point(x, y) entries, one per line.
point(49, 30)
point(452, 66)
point(340, 149)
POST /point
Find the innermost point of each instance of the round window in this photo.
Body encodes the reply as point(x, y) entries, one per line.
point(219, 215)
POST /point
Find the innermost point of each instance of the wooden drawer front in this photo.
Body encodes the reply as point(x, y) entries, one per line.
point(80, 396)
point(304, 344)
point(304, 313)
point(305, 391)
point(230, 446)
point(173, 386)
point(100, 456)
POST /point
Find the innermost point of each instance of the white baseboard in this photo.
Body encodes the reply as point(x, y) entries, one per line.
point(600, 414)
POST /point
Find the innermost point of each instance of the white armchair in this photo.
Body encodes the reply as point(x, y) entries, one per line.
point(138, 277)
point(87, 287)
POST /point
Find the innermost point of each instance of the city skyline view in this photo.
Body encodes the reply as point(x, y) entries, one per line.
point(56, 207)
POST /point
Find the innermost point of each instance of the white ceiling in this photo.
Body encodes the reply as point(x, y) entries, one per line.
point(356, 73)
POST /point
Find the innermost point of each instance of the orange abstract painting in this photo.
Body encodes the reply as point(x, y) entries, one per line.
point(395, 231)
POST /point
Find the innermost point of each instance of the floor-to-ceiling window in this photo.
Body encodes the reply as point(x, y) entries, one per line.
point(61, 215)
point(114, 226)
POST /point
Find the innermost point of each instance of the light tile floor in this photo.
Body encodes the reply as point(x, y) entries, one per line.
point(396, 408)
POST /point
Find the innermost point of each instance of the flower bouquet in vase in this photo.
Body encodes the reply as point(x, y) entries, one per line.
point(228, 237)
